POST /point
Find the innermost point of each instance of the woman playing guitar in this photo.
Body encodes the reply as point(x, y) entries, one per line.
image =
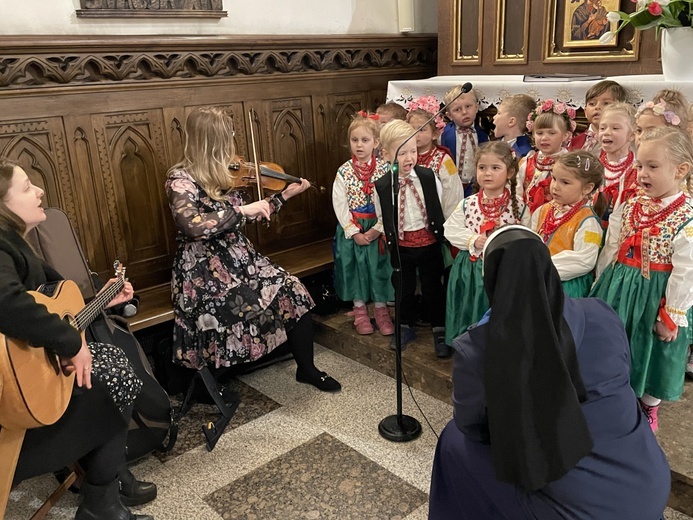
point(93, 428)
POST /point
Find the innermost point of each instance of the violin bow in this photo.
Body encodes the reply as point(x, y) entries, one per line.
point(252, 117)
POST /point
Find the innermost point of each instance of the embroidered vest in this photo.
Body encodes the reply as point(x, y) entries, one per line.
point(659, 247)
point(563, 239)
point(356, 198)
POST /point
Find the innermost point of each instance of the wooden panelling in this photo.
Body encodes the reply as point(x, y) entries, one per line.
point(98, 122)
point(535, 19)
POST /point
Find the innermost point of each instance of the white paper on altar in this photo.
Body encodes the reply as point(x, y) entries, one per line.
point(491, 89)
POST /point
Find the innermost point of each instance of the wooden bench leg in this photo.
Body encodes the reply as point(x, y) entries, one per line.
point(55, 496)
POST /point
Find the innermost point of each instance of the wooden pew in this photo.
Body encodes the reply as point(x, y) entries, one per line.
point(155, 303)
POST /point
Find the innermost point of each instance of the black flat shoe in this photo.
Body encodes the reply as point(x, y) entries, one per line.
point(321, 382)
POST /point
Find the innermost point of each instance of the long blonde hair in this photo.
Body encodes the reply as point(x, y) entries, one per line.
point(209, 149)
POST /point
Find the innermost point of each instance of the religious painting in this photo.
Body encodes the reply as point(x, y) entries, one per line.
point(151, 8)
point(584, 21)
point(572, 29)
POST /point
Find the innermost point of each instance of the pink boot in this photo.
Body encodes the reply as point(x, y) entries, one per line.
point(362, 321)
point(651, 414)
point(383, 321)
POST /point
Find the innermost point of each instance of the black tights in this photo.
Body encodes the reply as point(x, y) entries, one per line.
point(101, 464)
point(300, 340)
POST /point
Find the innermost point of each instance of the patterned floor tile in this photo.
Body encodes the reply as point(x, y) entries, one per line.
point(254, 404)
point(322, 479)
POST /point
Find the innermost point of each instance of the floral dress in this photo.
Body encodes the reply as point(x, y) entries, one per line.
point(231, 304)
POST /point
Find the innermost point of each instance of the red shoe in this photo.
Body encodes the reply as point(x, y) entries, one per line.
point(362, 321)
point(651, 414)
point(383, 321)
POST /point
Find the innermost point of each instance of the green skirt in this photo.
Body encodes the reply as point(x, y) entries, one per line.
point(579, 287)
point(657, 368)
point(466, 298)
point(361, 272)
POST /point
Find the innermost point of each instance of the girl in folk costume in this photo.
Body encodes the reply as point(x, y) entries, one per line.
point(362, 268)
point(616, 134)
point(551, 125)
point(568, 224)
point(645, 271)
point(653, 115)
point(476, 217)
point(432, 155)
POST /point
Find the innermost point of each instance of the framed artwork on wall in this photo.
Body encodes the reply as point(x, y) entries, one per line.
point(572, 29)
point(151, 9)
point(584, 21)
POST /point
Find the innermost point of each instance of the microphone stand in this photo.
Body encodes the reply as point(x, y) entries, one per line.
point(400, 427)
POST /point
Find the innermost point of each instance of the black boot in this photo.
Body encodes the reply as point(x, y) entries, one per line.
point(134, 492)
point(103, 503)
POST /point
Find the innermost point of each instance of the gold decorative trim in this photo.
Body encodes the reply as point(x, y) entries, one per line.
point(552, 52)
point(499, 55)
point(458, 58)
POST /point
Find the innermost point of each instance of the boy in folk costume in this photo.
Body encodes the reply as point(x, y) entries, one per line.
point(511, 123)
point(419, 231)
point(461, 136)
point(598, 97)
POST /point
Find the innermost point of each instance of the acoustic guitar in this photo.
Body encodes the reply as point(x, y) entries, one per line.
point(34, 389)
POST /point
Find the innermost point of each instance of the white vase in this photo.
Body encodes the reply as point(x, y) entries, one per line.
point(677, 53)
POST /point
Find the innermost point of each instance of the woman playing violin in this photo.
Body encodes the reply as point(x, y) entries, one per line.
point(231, 304)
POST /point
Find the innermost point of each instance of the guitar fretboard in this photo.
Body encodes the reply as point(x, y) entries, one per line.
point(94, 307)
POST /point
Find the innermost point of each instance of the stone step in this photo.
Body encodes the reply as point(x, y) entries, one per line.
point(423, 371)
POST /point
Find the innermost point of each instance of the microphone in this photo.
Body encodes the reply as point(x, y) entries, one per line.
point(467, 87)
point(402, 427)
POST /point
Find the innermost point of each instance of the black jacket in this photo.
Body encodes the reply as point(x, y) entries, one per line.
point(433, 208)
point(21, 317)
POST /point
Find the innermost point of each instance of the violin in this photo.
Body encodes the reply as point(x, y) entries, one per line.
point(272, 176)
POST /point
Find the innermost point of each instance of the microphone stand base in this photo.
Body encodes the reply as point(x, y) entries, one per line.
point(399, 428)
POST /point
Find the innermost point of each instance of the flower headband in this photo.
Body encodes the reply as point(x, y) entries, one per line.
point(431, 105)
point(365, 114)
point(660, 109)
point(555, 107)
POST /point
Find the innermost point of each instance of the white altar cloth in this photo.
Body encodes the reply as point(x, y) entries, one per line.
point(491, 89)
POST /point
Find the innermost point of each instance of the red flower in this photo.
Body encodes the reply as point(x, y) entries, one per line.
point(655, 9)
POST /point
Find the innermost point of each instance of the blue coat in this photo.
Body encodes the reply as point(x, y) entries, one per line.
point(449, 138)
point(625, 476)
point(522, 146)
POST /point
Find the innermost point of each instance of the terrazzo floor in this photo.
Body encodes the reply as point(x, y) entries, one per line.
point(290, 452)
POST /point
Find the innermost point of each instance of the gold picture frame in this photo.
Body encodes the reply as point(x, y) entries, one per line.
point(459, 57)
point(584, 21)
point(500, 55)
point(625, 47)
point(151, 9)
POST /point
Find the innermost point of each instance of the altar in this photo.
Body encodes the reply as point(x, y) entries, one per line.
point(491, 89)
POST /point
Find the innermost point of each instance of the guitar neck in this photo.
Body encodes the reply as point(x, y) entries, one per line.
point(94, 307)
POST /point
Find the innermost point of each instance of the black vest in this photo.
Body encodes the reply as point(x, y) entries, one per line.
point(433, 208)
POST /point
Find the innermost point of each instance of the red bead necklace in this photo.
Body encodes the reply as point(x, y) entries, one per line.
point(543, 163)
point(639, 219)
point(551, 223)
point(425, 158)
point(364, 173)
point(492, 209)
point(616, 170)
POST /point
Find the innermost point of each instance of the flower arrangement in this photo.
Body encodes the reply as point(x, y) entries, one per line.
point(556, 107)
point(660, 109)
point(657, 14)
point(431, 105)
